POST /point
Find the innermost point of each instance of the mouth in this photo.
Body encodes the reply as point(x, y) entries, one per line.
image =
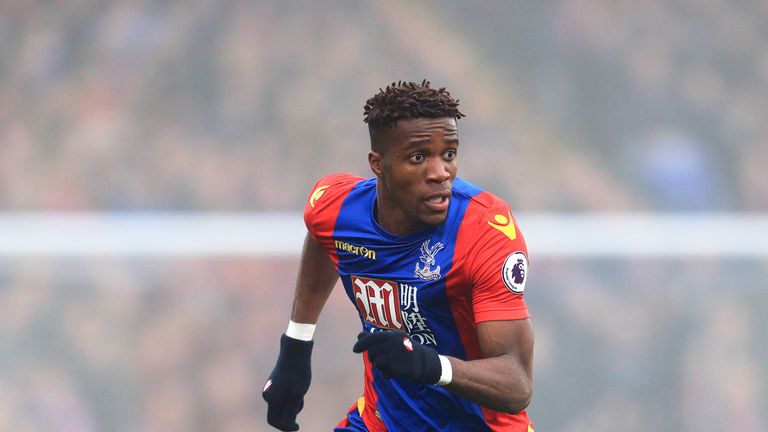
point(438, 202)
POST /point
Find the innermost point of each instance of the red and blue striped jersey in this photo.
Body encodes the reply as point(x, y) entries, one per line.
point(436, 285)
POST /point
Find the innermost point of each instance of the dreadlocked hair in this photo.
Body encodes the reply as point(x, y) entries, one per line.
point(409, 100)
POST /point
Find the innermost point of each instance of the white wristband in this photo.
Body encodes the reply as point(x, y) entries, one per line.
point(447, 371)
point(300, 331)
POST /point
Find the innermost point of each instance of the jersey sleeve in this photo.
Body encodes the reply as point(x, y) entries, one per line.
point(498, 264)
point(324, 204)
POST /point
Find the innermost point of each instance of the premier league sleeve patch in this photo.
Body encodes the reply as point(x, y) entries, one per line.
point(514, 272)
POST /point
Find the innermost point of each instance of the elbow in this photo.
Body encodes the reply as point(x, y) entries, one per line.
point(519, 405)
point(517, 402)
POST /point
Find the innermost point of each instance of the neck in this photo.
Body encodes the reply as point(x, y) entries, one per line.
point(391, 217)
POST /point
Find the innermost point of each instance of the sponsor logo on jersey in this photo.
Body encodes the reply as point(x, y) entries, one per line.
point(415, 324)
point(378, 302)
point(504, 224)
point(316, 195)
point(428, 258)
point(355, 249)
point(389, 305)
point(515, 271)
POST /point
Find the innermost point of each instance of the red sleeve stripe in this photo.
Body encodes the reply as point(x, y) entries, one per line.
point(323, 207)
point(458, 287)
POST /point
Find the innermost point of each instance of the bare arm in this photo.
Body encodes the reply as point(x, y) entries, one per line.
point(502, 380)
point(317, 277)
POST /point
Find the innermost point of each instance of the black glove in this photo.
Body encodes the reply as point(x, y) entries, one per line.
point(398, 356)
point(288, 382)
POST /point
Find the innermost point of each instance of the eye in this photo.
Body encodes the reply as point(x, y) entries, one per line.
point(416, 157)
point(450, 155)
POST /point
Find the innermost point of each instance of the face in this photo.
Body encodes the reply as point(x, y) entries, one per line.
point(415, 170)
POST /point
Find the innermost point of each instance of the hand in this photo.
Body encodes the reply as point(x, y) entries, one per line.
point(398, 356)
point(288, 383)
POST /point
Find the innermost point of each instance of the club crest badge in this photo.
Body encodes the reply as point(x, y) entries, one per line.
point(515, 271)
point(428, 258)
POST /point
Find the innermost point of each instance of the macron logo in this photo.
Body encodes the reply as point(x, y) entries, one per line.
point(505, 225)
point(316, 195)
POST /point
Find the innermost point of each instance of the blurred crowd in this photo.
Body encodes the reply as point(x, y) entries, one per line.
point(235, 105)
point(186, 344)
point(137, 346)
point(203, 105)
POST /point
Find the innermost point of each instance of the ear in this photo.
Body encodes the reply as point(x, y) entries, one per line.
point(375, 161)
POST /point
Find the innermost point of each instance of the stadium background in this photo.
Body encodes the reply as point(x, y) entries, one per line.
point(125, 107)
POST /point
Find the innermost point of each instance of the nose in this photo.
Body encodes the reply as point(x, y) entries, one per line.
point(438, 170)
